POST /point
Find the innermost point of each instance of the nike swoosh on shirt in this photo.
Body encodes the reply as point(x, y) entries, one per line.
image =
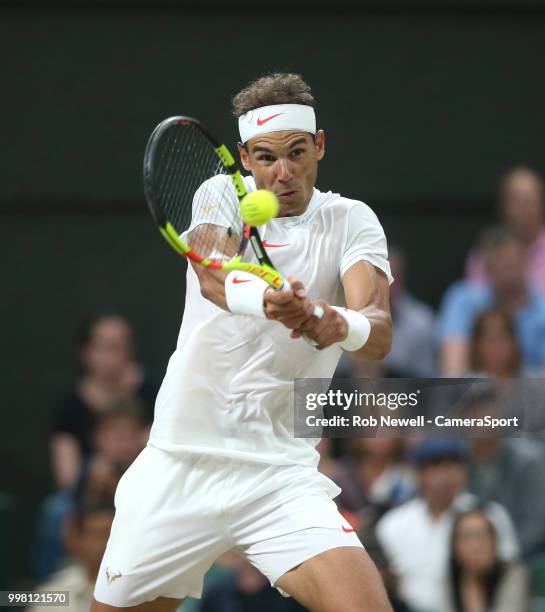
point(273, 246)
point(238, 280)
point(346, 530)
point(262, 121)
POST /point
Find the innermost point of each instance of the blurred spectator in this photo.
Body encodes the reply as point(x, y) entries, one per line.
point(413, 348)
point(246, 590)
point(478, 579)
point(521, 207)
point(86, 531)
point(508, 289)
point(120, 434)
point(511, 471)
point(415, 536)
point(372, 477)
point(118, 437)
point(108, 373)
point(493, 348)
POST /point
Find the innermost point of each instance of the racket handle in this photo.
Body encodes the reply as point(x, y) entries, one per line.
point(318, 312)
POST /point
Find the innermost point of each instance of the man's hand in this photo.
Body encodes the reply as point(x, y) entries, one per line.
point(328, 330)
point(290, 307)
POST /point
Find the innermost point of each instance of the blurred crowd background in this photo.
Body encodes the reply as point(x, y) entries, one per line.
point(434, 117)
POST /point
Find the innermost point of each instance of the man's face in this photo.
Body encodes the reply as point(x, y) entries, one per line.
point(120, 439)
point(522, 205)
point(110, 347)
point(442, 481)
point(475, 543)
point(285, 163)
point(506, 267)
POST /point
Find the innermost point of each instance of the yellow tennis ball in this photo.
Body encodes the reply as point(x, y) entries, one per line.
point(259, 207)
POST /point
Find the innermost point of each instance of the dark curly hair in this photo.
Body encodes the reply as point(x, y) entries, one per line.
point(275, 88)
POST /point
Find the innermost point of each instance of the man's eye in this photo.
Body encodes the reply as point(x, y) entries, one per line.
point(266, 158)
point(297, 152)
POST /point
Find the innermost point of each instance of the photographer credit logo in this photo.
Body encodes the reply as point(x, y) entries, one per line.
point(413, 407)
point(339, 399)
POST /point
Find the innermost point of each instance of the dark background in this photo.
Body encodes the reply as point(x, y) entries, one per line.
point(424, 106)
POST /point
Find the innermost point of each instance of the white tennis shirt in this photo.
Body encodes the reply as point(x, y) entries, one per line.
point(229, 385)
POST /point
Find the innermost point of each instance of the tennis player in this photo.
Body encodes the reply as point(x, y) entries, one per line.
point(222, 470)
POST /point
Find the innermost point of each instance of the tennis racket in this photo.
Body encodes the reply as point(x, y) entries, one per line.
point(193, 186)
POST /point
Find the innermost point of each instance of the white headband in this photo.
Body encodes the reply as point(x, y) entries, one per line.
point(276, 118)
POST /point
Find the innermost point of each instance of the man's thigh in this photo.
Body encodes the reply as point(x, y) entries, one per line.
point(166, 531)
point(340, 579)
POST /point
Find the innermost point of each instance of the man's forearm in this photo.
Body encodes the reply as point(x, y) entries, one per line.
point(379, 343)
point(212, 283)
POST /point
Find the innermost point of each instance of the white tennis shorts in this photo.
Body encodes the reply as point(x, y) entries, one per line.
point(176, 513)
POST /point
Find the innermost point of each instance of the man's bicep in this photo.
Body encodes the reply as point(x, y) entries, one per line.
point(366, 285)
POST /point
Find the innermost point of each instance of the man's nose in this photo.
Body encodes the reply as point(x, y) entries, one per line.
point(283, 170)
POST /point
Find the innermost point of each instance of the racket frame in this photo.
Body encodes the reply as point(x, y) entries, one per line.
point(265, 268)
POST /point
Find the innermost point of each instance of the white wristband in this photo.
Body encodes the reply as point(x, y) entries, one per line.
point(359, 329)
point(244, 293)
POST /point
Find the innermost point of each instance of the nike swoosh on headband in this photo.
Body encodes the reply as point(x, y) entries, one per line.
point(262, 121)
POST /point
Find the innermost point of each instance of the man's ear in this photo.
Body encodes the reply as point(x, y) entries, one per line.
point(244, 156)
point(319, 141)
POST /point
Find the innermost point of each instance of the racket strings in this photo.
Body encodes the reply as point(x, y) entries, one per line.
point(195, 193)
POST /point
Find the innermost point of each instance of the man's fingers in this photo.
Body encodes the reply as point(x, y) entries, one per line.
point(328, 331)
point(314, 320)
point(278, 297)
point(292, 320)
point(291, 307)
point(297, 287)
point(310, 324)
point(291, 324)
point(300, 309)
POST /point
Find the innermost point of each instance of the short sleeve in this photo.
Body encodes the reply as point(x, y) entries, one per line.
point(365, 241)
point(216, 202)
